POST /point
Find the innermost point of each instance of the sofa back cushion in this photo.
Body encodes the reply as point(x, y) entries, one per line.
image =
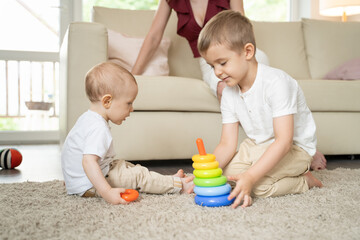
point(136, 23)
point(330, 44)
point(283, 42)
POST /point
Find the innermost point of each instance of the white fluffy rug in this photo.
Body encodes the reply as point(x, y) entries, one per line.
point(43, 211)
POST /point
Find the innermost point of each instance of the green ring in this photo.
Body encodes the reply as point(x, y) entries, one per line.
point(208, 173)
point(210, 182)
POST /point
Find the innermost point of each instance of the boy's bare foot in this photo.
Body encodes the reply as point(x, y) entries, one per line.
point(180, 173)
point(318, 162)
point(187, 184)
point(312, 181)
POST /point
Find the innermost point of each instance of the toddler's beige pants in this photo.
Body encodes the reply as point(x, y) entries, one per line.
point(123, 174)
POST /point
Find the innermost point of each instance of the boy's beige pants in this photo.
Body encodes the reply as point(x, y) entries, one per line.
point(123, 174)
point(285, 178)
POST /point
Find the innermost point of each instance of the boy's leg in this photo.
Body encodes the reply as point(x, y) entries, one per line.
point(287, 177)
point(124, 174)
point(242, 160)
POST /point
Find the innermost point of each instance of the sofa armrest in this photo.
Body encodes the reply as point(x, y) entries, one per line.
point(84, 45)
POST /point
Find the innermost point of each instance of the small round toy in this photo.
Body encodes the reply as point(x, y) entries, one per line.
point(130, 195)
point(206, 165)
point(10, 158)
point(210, 182)
point(212, 191)
point(214, 201)
point(208, 173)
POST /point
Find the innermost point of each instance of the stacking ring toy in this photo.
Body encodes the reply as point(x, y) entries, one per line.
point(214, 201)
point(212, 191)
point(208, 173)
point(203, 158)
point(129, 195)
point(210, 182)
point(206, 165)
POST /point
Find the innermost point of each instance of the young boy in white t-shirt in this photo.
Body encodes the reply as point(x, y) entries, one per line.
point(270, 106)
point(87, 156)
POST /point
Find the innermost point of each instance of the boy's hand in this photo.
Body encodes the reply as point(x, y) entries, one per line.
point(113, 196)
point(242, 190)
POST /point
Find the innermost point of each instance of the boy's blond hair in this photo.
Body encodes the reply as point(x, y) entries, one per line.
point(106, 78)
point(227, 27)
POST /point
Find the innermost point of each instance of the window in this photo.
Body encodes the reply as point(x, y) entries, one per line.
point(29, 69)
point(36, 30)
point(29, 48)
point(267, 10)
point(123, 4)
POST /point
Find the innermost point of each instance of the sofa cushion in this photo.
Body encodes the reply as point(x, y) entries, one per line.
point(330, 44)
point(124, 51)
point(283, 42)
point(331, 95)
point(347, 71)
point(174, 94)
point(137, 24)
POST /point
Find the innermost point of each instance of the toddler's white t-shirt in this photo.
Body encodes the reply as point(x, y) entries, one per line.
point(273, 94)
point(90, 135)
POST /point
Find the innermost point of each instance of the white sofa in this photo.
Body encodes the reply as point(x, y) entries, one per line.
point(172, 111)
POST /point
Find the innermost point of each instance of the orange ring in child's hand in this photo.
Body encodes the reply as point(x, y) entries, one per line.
point(129, 195)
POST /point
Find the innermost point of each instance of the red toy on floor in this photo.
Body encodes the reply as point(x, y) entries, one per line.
point(10, 158)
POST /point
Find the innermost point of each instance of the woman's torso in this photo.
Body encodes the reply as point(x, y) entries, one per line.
point(188, 27)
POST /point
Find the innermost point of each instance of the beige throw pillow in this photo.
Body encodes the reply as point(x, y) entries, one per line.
point(124, 50)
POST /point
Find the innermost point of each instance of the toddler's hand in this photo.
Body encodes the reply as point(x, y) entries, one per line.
point(187, 184)
point(242, 190)
point(113, 196)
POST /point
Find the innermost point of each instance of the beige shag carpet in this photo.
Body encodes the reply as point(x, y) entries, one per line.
point(43, 211)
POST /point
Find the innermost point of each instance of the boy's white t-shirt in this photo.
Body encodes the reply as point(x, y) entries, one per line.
point(90, 135)
point(273, 94)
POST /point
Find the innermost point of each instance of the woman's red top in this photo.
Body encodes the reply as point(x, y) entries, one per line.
point(187, 25)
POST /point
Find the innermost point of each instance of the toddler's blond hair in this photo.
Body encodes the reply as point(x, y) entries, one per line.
point(107, 78)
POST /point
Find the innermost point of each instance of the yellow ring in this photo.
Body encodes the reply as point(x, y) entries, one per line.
point(209, 173)
point(203, 158)
point(206, 165)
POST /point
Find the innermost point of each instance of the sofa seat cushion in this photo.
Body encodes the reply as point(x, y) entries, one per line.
point(331, 95)
point(169, 93)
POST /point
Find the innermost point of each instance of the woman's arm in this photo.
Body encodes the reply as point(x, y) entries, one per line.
point(153, 37)
point(226, 149)
point(237, 5)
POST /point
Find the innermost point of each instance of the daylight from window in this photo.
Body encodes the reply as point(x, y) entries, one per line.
point(28, 87)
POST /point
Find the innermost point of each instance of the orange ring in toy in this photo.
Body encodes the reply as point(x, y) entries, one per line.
point(203, 158)
point(129, 195)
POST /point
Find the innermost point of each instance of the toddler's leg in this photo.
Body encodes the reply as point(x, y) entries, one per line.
point(127, 175)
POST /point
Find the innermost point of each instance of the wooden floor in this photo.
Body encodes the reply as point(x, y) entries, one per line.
point(42, 163)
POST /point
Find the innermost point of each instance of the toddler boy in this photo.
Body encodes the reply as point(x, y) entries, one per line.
point(87, 157)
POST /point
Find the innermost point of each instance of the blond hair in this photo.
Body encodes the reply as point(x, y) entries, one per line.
point(227, 27)
point(107, 78)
